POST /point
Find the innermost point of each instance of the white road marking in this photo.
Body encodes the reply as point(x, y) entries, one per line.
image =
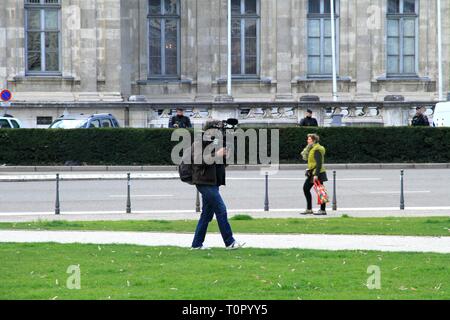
point(235, 211)
point(398, 192)
point(144, 196)
point(303, 179)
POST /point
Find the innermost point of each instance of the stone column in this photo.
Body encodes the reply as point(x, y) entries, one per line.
point(378, 61)
point(363, 52)
point(284, 51)
point(3, 48)
point(14, 36)
point(114, 47)
point(88, 46)
point(204, 43)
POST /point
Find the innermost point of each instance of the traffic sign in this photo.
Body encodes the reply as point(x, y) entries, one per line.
point(6, 95)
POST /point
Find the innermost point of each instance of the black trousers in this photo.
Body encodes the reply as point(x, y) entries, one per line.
point(309, 183)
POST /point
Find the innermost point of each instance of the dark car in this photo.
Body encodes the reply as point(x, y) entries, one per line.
point(85, 121)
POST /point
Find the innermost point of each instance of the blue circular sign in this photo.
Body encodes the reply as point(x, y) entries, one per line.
point(6, 95)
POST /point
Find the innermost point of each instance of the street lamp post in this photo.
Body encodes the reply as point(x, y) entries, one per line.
point(440, 65)
point(333, 50)
point(229, 92)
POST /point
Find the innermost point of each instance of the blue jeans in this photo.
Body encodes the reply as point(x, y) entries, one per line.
point(212, 204)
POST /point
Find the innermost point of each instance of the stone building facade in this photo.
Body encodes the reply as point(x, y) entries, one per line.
point(94, 55)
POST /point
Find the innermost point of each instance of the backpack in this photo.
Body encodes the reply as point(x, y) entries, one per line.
point(185, 170)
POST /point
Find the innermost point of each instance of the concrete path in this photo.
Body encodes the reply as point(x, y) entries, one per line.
point(316, 242)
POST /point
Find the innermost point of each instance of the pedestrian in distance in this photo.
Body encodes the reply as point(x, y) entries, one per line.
point(308, 120)
point(208, 178)
point(314, 154)
point(180, 121)
point(420, 119)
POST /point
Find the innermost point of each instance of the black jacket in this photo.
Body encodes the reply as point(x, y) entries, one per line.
point(180, 122)
point(309, 122)
point(206, 174)
point(420, 121)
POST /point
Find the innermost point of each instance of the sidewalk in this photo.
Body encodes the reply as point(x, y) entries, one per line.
point(313, 242)
point(192, 215)
point(173, 168)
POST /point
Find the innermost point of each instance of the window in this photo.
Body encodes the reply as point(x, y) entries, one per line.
point(319, 37)
point(245, 22)
point(402, 23)
point(164, 38)
point(94, 124)
point(43, 36)
point(15, 124)
point(44, 121)
point(106, 123)
point(4, 124)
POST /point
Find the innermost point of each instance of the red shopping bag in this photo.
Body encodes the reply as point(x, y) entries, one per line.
point(322, 195)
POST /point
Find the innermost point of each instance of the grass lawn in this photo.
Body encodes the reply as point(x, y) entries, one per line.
point(38, 271)
point(439, 226)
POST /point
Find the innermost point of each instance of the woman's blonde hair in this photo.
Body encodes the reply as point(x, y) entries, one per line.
point(315, 137)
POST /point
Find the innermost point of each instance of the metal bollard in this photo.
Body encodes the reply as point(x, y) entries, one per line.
point(197, 203)
point(128, 193)
point(266, 200)
point(402, 191)
point(57, 204)
point(334, 192)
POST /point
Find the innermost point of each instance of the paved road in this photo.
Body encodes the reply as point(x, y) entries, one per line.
point(369, 189)
point(317, 242)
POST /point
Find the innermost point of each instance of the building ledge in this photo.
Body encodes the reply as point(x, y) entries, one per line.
point(164, 81)
point(247, 80)
point(385, 78)
point(299, 79)
point(43, 78)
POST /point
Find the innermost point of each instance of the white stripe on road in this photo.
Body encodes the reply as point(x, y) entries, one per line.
point(143, 196)
point(398, 192)
point(235, 211)
point(303, 179)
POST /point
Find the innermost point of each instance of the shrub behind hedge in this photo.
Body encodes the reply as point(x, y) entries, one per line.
point(154, 146)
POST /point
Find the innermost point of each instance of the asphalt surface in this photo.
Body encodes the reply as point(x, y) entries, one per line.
point(359, 190)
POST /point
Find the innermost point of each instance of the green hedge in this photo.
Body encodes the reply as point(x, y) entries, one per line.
point(153, 146)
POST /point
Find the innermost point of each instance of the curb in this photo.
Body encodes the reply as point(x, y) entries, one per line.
point(350, 166)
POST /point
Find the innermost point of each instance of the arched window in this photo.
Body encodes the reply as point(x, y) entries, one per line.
point(164, 38)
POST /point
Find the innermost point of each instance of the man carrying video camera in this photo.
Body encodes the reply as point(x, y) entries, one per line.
point(208, 174)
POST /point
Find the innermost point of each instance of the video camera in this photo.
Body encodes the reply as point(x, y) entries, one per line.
point(226, 124)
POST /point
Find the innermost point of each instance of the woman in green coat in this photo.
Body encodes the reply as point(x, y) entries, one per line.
point(314, 154)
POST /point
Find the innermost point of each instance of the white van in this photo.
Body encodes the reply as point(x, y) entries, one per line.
point(9, 122)
point(441, 117)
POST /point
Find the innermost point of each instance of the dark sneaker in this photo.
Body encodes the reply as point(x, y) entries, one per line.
point(307, 212)
point(235, 245)
point(321, 213)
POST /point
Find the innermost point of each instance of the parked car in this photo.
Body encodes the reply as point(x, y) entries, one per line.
point(441, 117)
point(9, 122)
point(85, 121)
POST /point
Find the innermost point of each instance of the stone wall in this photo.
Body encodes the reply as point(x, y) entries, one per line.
point(105, 54)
